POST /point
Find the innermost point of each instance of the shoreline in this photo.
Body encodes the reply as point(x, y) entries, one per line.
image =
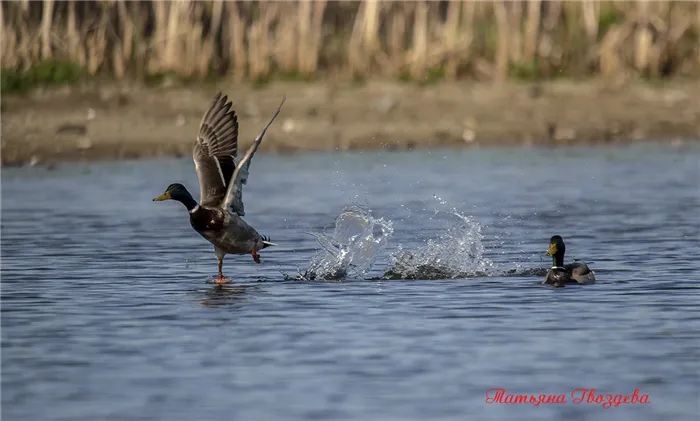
point(93, 122)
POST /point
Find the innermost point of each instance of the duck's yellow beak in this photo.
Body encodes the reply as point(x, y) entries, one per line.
point(552, 250)
point(164, 196)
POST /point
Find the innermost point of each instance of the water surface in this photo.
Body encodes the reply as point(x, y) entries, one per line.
point(107, 313)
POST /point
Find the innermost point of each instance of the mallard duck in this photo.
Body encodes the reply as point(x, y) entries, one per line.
point(217, 216)
point(561, 274)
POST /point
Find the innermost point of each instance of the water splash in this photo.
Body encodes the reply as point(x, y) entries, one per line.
point(352, 249)
point(457, 253)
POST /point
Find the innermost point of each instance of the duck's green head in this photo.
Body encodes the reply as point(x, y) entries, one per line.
point(557, 249)
point(556, 246)
point(177, 191)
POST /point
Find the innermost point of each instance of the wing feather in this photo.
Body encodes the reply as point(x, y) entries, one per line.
point(234, 194)
point(215, 150)
point(581, 272)
point(577, 268)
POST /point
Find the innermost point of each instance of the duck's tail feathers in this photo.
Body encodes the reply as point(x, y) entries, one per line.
point(267, 243)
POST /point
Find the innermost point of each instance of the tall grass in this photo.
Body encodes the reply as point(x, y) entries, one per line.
point(413, 40)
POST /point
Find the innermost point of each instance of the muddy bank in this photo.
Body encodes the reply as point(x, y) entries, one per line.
point(123, 122)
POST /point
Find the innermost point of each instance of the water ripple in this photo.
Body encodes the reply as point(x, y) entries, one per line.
point(107, 313)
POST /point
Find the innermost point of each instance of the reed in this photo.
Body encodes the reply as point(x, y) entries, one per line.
point(255, 41)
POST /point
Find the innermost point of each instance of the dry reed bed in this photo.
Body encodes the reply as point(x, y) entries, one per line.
point(414, 40)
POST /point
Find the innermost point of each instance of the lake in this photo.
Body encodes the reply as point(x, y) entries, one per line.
point(405, 286)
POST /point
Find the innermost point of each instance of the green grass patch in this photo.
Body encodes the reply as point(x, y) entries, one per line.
point(295, 76)
point(50, 72)
point(261, 81)
point(607, 18)
point(358, 79)
point(524, 70)
point(432, 76)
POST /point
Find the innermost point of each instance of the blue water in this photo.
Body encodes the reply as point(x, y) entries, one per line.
point(107, 313)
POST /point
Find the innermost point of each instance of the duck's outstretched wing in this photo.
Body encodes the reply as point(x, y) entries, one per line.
point(234, 194)
point(215, 150)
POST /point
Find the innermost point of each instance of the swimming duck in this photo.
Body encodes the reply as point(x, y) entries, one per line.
point(217, 216)
point(561, 274)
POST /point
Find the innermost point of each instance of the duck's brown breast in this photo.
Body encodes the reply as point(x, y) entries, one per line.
point(204, 219)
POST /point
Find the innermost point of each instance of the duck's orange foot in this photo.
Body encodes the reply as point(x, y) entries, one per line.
point(222, 280)
point(256, 256)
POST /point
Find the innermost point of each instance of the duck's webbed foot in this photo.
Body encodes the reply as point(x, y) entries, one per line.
point(256, 256)
point(221, 279)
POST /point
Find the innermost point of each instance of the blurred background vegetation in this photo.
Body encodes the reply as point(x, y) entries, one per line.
point(51, 42)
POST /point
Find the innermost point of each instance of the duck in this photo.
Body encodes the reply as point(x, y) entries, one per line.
point(218, 215)
point(560, 274)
